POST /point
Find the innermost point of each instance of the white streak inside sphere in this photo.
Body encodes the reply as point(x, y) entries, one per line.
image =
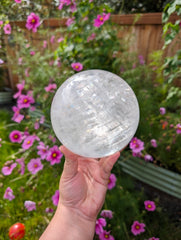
point(95, 113)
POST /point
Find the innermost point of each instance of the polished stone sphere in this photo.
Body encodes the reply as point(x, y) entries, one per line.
point(95, 113)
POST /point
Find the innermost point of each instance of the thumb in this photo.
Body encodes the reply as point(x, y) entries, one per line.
point(71, 163)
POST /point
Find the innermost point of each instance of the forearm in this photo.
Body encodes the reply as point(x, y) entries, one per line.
point(68, 224)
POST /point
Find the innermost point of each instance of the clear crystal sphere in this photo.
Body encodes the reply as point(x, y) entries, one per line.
point(95, 113)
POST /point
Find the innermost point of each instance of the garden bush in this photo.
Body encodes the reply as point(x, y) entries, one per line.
point(32, 163)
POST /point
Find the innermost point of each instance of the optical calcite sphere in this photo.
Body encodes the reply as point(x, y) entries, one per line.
point(95, 113)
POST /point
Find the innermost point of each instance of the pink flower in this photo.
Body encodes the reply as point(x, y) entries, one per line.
point(136, 145)
point(9, 194)
point(50, 87)
point(178, 128)
point(49, 210)
point(28, 142)
point(54, 155)
point(0, 142)
point(77, 66)
point(15, 136)
point(52, 39)
point(20, 87)
point(1, 23)
point(33, 22)
point(69, 21)
point(141, 59)
point(44, 44)
point(112, 181)
point(150, 205)
point(8, 168)
point(64, 2)
point(91, 37)
point(20, 61)
point(27, 72)
point(100, 223)
point(17, 117)
point(30, 205)
point(22, 164)
point(25, 101)
point(105, 236)
point(1, 61)
point(153, 238)
point(60, 39)
point(7, 29)
point(35, 165)
point(17, 1)
point(101, 19)
point(137, 228)
point(32, 53)
point(153, 143)
point(148, 157)
point(43, 150)
point(55, 198)
point(73, 7)
point(107, 214)
point(53, 139)
point(162, 110)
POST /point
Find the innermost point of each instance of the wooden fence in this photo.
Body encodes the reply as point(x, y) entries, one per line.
point(143, 31)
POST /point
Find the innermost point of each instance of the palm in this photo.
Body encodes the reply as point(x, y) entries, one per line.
point(85, 188)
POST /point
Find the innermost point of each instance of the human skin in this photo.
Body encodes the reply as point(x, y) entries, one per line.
point(83, 186)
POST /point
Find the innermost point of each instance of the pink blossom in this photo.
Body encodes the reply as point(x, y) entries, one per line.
point(54, 155)
point(20, 61)
point(136, 145)
point(107, 214)
point(73, 7)
point(50, 87)
point(20, 87)
point(7, 29)
point(55, 198)
point(17, 117)
point(150, 205)
point(178, 128)
point(153, 238)
point(49, 210)
point(137, 228)
point(148, 157)
point(44, 44)
point(27, 72)
point(53, 139)
point(32, 53)
point(112, 181)
point(42, 119)
point(77, 66)
point(25, 101)
point(0, 142)
point(9, 194)
point(33, 22)
point(105, 236)
point(30, 205)
point(100, 223)
point(1, 23)
point(60, 39)
point(141, 59)
point(15, 136)
point(1, 61)
point(36, 125)
point(8, 168)
point(153, 143)
point(17, 1)
point(52, 39)
point(162, 110)
point(101, 19)
point(43, 150)
point(64, 2)
point(91, 37)
point(137, 154)
point(22, 164)
point(28, 142)
point(35, 165)
point(69, 21)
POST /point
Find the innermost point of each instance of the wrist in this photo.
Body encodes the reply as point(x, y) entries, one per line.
point(79, 226)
